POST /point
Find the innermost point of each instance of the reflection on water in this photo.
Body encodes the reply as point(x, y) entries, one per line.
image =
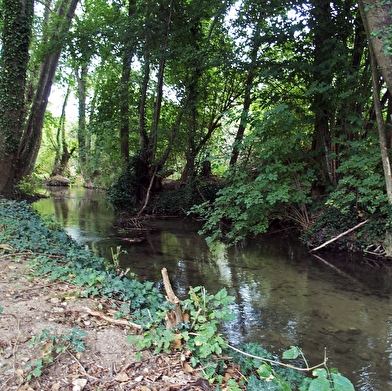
point(284, 296)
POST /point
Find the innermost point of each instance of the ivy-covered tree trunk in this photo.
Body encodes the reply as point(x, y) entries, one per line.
point(31, 139)
point(17, 18)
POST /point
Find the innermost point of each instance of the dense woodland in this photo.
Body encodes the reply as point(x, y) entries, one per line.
point(263, 111)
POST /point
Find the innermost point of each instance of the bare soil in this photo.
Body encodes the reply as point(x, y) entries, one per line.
point(31, 305)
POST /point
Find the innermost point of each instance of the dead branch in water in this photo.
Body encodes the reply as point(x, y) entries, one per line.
point(339, 236)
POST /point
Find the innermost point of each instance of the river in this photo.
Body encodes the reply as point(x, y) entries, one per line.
point(283, 295)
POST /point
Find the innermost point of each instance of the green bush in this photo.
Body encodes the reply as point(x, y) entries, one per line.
point(276, 175)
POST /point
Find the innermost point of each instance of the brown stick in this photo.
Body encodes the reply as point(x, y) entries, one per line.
point(173, 299)
point(339, 236)
point(121, 322)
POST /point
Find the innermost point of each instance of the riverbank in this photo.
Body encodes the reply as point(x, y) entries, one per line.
point(79, 311)
point(80, 345)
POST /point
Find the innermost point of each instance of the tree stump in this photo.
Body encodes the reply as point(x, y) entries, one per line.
point(175, 316)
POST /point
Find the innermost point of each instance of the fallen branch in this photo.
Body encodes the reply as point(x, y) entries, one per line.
point(339, 236)
point(121, 322)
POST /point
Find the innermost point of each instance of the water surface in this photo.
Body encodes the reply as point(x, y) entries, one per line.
point(284, 296)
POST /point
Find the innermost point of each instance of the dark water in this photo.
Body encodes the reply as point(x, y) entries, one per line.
point(284, 295)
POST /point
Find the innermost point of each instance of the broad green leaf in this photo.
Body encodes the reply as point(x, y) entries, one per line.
point(320, 384)
point(264, 371)
point(292, 353)
point(341, 383)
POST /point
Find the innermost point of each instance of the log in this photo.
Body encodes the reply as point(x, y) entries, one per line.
point(339, 236)
point(175, 316)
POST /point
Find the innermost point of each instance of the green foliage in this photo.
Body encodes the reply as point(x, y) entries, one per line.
point(275, 175)
point(29, 185)
point(330, 223)
point(121, 192)
point(58, 257)
point(200, 334)
point(265, 373)
point(329, 380)
point(181, 200)
point(206, 313)
point(362, 180)
point(125, 192)
point(52, 345)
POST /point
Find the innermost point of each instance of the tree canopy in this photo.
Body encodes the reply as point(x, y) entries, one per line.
point(289, 101)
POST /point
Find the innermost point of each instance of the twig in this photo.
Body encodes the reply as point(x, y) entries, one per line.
point(40, 286)
point(307, 369)
point(30, 253)
point(121, 322)
point(339, 236)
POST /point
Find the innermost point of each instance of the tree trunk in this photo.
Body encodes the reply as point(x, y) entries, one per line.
point(83, 146)
point(370, 12)
point(247, 97)
point(143, 137)
point(377, 17)
point(153, 139)
point(17, 19)
point(323, 27)
point(129, 48)
point(31, 139)
point(62, 154)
